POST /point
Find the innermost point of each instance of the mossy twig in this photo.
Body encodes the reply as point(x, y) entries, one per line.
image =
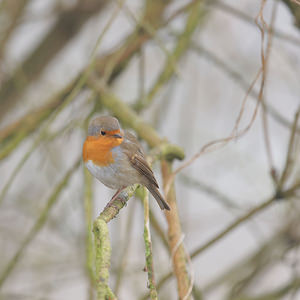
point(90, 254)
point(102, 242)
point(148, 246)
point(103, 253)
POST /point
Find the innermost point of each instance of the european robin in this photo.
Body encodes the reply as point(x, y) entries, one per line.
point(116, 158)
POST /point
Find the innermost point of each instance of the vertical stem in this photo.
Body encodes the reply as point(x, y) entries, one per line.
point(288, 165)
point(88, 197)
point(175, 236)
point(103, 253)
point(148, 246)
point(102, 243)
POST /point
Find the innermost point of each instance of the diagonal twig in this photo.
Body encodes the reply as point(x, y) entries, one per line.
point(40, 222)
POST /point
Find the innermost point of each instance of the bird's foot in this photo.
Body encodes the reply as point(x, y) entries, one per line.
point(115, 196)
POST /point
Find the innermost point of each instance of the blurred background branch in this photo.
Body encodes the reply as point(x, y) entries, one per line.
point(178, 74)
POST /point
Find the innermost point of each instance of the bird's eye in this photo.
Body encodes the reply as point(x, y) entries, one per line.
point(103, 132)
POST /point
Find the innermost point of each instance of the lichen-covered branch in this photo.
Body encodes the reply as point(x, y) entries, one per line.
point(148, 247)
point(111, 210)
point(130, 118)
point(103, 252)
point(88, 208)
point(102, 243)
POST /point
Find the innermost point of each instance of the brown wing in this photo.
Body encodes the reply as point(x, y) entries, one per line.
point(136, 157)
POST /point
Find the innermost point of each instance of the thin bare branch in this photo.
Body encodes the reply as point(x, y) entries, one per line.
point(289, 157)
point(235, 134)
point(264, 111)
point(238, 78)
point(225, 7)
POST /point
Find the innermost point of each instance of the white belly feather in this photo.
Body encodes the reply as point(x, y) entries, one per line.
point(107, 175)
point(118, 174)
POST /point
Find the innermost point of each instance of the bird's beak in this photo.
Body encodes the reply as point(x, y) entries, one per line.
point(117, 136)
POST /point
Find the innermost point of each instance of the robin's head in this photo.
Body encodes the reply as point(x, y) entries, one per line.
point(104, 133)
point(105, 127)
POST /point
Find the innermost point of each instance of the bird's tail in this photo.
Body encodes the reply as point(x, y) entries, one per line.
point(158, 197)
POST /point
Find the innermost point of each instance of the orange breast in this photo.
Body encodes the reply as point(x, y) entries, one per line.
point(98, 150)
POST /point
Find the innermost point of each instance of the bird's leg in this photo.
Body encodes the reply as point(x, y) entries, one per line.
point(115, 196)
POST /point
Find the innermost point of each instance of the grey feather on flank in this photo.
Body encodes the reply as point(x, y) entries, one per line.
point(142, 166)
point(138, 160)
